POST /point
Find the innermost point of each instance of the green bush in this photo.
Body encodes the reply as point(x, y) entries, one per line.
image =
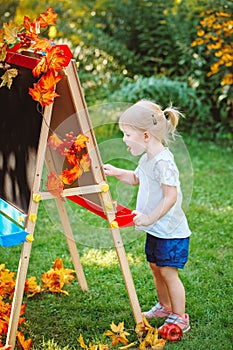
point(164, 92)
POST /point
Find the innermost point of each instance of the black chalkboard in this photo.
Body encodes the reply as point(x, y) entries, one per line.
point(20, 130)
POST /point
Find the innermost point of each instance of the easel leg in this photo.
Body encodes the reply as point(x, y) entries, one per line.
point(127, 275)
point(71, 244)
point(18, 294)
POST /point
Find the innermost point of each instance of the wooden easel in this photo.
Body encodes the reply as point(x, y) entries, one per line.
point(98, 187)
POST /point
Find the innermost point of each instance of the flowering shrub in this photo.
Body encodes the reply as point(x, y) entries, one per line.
point(215, 35)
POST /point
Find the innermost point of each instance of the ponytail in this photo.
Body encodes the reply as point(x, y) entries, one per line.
point(173, 115)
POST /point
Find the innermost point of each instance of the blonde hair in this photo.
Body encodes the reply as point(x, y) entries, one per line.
point(148, 116)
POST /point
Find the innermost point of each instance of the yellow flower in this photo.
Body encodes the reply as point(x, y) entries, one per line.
point(218, 53)
point(228, 79)
point(200, 32)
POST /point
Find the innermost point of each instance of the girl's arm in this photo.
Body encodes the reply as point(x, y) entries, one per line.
point(166, 203)
point(126, 176)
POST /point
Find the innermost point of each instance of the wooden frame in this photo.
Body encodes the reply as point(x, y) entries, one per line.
point(44, 156)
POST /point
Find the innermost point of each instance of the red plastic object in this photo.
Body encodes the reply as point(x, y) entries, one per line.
point(27, 61)
point(171, 332)
point(124, 216)
point(20, 60)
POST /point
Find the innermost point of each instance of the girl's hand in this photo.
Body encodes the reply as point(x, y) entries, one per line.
point(141, 219)
point(110, 170)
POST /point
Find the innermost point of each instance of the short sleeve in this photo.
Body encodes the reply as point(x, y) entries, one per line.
point(166, 173)
point(136, 172)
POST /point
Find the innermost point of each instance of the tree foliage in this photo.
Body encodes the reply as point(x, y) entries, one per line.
point(117, 41)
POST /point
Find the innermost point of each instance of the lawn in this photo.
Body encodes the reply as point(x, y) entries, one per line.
point(59, 319)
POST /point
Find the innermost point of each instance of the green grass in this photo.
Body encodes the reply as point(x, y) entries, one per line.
point(59, 319)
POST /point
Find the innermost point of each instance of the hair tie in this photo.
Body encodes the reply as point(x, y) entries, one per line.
point(166, 114)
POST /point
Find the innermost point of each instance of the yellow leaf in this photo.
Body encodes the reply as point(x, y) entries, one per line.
point(7, 77)
point(103, 347)
point(127, 346)
point(159, 344)
point(81, 342)
point(11, 30)
point(93, 347)
point(3, 52)
point(117, 334)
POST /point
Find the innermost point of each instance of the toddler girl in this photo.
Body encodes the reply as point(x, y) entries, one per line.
point(146, 129)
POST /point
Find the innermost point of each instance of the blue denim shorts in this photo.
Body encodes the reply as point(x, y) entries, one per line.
point(167, 252)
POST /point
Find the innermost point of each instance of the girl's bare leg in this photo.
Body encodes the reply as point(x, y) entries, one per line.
point(170, 289)
point(160, 285)
point(175, 289)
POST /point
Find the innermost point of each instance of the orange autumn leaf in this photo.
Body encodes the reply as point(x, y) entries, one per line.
point(49, 80)
point(7, 282)
point(71, 158)
point(40, 44)
point(81, 141)
point(117, 334)
point(85, 163)
point(57, 277)
point(25, 344)
point(47, 18)
point(55, 185)
point(56, 58)
point(58, 264)
point(41, 67)
point(45, 98)
point(43, 91)
point(32, 28)
point(31, 287)
point(69, 176)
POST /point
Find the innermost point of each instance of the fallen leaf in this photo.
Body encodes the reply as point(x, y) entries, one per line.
point(117, 334)
point(31, 287)
point(55, 278)
point(81, 342)
point(25, 344)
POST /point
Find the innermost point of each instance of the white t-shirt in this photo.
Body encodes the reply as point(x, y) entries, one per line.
point(152, 173)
